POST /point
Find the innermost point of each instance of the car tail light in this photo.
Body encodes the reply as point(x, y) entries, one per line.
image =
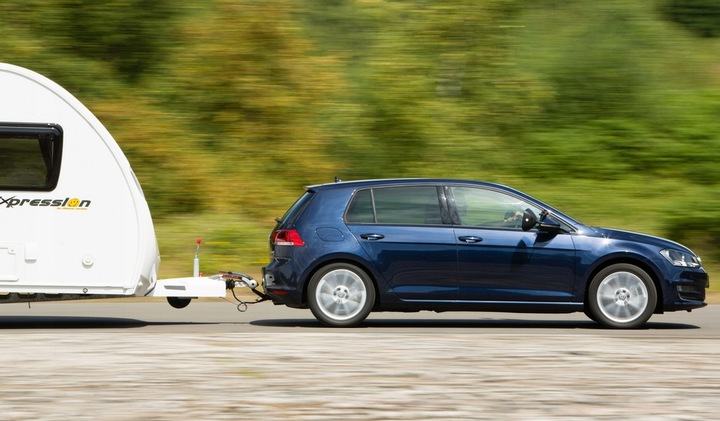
point(287, 238)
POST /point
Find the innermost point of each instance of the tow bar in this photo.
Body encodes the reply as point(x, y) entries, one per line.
point(237, 279)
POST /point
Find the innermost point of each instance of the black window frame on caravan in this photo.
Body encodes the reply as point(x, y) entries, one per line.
point(28, 167)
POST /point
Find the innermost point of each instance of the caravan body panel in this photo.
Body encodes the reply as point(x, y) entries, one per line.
point(91, 232)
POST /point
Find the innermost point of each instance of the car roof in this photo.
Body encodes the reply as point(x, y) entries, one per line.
point(397, 181)
point(386, 182)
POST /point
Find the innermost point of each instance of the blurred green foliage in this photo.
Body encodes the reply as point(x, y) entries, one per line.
point(226, 109)
point(699, 16)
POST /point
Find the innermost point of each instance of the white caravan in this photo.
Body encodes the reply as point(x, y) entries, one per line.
point(73, 219)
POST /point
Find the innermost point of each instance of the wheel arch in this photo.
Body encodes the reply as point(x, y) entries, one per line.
point(643, 264)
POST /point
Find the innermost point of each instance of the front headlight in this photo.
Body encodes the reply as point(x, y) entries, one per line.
point(682, 259)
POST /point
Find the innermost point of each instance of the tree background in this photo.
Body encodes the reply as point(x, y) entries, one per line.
point(226, 109)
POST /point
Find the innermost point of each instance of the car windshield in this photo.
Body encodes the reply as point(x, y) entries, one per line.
point(566, 222)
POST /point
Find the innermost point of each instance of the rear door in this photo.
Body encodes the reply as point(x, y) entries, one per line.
point(405, 230)
point(497, 260)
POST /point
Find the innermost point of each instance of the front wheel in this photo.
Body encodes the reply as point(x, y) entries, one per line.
point(341, 295)
point(622, 296)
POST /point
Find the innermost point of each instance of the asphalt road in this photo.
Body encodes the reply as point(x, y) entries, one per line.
point(147, 361)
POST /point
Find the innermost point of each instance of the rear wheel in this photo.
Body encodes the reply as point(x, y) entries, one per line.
point(341, 295)
point(621, 296)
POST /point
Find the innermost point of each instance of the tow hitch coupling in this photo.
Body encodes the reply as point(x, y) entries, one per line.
point(237, 279)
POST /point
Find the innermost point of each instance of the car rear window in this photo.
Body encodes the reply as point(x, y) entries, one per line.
point(297, 207)
point(412, 205)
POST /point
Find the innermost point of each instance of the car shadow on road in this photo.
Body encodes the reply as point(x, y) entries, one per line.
point(466, 323)
point(87, 322)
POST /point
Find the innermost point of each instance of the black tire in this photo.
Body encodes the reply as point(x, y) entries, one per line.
point(621, 296)
point(179, 302)
point(341, 295)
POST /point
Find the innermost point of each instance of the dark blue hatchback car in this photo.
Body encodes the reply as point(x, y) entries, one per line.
point(349, 248)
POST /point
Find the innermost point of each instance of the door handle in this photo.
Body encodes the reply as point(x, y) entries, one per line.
point(372, 237)
point(470, 239)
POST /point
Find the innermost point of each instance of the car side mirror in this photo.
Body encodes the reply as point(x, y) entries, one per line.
point(549, 225)
point(529, 220)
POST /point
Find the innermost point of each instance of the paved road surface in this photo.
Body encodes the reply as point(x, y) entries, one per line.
point(147, 361)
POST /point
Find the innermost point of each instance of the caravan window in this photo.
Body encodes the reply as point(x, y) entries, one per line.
point(29, 156)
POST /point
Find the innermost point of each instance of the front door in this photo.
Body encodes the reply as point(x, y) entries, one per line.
point(498, 261)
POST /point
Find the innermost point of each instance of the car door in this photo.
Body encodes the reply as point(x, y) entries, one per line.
point(497, 260)
point(406, 232)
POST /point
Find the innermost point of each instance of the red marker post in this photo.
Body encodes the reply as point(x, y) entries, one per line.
point(196, 261)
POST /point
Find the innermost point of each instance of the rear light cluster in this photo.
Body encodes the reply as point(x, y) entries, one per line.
point(287, 238)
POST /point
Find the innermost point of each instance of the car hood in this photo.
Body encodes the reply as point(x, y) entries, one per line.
point(637, 237)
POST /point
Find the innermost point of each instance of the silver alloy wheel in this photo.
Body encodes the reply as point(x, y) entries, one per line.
point(341, 294)
point(622, 297)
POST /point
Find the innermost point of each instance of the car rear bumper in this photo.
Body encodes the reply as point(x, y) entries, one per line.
point(280, 282)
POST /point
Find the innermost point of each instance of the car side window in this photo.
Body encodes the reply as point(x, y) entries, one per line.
point(406, 205)
point(360, 210)
point(488, 208)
